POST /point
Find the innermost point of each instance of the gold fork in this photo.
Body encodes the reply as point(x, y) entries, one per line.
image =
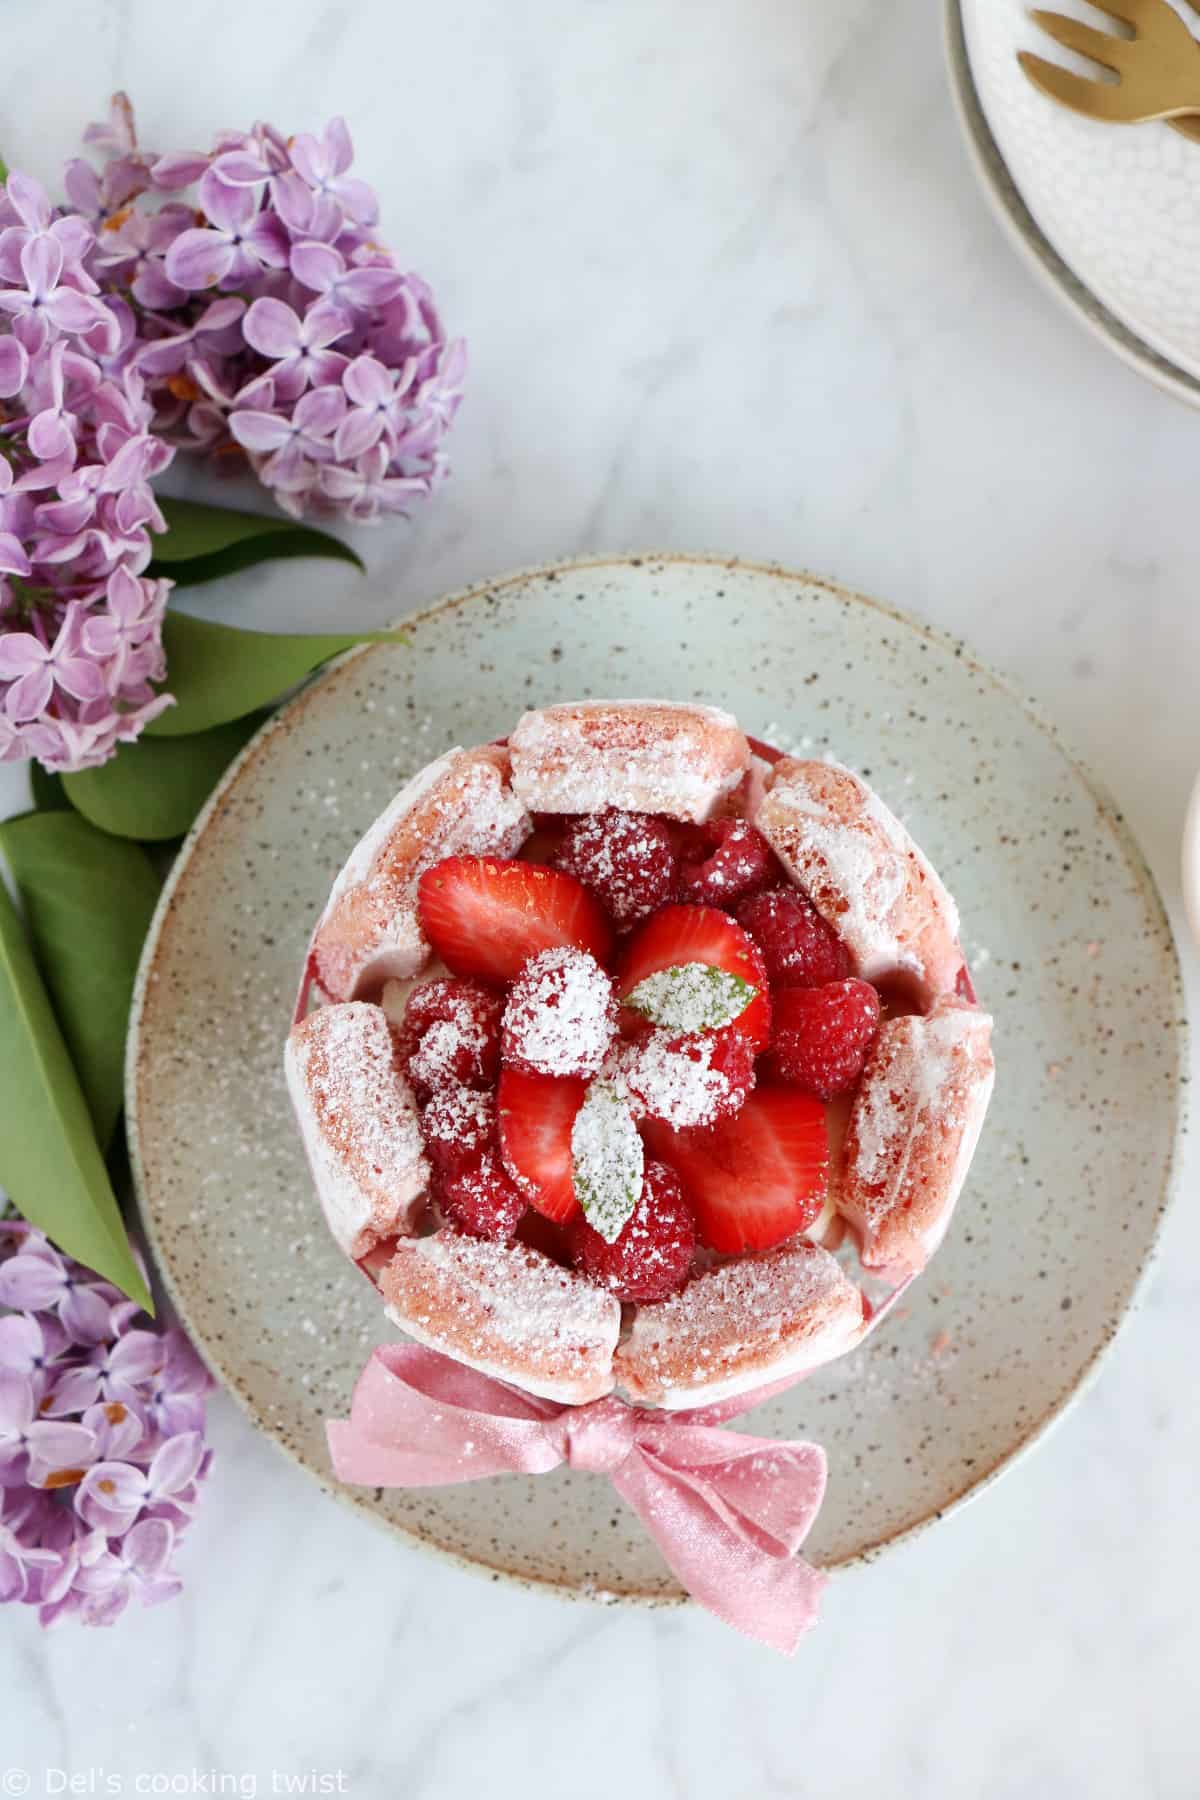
point(1157, 68)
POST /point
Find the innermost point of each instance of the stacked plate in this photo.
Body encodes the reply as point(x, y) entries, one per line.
point(1108, 215)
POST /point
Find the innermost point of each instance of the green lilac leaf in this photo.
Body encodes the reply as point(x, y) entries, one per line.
point(50, 1161)
point(152, 789)
point(691, 997)
point(87, 899)
point(218, 673)
point(204, 542)
point(49, 794)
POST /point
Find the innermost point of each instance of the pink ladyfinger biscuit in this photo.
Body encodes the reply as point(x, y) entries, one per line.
point(358, 1119)
point(862, 871)
point(739, 1326)
point(461, 805)
point(655, 756)
point(506, 1310)
point(912, 1133)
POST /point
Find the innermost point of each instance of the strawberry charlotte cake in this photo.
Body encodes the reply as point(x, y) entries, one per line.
point(623, 1029)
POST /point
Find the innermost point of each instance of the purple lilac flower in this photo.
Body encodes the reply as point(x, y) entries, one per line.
point(266, 324)
point(80, 624)
point(102, 1455)
point(274, 288)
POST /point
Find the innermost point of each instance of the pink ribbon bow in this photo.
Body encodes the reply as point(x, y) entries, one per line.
point(729, 1512)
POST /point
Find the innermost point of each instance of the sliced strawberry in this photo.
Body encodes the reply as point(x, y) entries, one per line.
point(536, 1115)
point(755, 1179)
point(485, 916)
point(700, 934)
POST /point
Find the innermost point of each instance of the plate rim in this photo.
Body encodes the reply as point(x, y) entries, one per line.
point(1053, 272)
point(1110, 815)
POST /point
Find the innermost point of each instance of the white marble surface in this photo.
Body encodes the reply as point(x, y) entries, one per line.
point(728, 285)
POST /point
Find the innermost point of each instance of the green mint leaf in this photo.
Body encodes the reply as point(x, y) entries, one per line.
point(218, 673)
point(608, 1159)
point(202, 543)
point(50, 1162)
point(152, 789)
point(691, 997)
point(87, 900)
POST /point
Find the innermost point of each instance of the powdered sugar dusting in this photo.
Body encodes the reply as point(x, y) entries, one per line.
point(742, 1316)
point(530, 1300)
point(359, 1121)
point(673, 1078)
point(506, 1309)
point(862, 871)
point(458, 1122)
point(444, 1042)
point(913, 1130)
point(627, 860)
point(692, 996)
point(840, 863)
point(561, 1015)
point(638, 755)
point(608, 1159)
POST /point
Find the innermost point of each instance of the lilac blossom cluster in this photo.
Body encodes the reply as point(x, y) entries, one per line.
point(80, 622)
point(102, 1451)
point(263, 323)
point(273, 323)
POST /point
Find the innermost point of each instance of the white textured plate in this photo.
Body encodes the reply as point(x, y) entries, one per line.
point(1029, 239)
point(1064, 1202)
point(1120, 203)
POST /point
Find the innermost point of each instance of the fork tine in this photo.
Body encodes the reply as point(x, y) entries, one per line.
point(1125, 12)
point(1095, 99)
point(1101, 46)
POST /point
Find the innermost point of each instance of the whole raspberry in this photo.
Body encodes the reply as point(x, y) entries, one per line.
point(798, 947)
point(458, 1124)
point(651, 1257)
point(483, 1200)
point(727, 860)
point(689, 1078)
point(821, 1036)
point(560, 1016)
point(626, 859)
point(449, 1036)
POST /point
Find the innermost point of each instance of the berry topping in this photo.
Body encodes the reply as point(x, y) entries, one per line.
point(821, 1037)
point(483, 1200)
point(449, 1035)
point(651, 1256)
point(561, 1015)
point(688, 1079)
point(726, 860)
point(798, 947)
point(459, 1124)
point(536, 1113)
point(487, 917)
point(607, 1158)
point(626, 859)
point(699, 934)
point(757, 1178)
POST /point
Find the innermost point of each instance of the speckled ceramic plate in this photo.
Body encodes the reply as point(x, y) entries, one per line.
point(1029, 238)
point(1058, 1219)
